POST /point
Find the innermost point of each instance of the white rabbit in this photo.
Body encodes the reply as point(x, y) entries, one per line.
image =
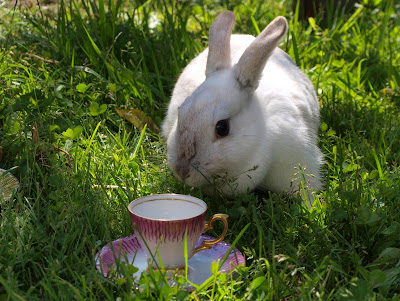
point(243, 115)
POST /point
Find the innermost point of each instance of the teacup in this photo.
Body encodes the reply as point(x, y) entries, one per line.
point(161, 221)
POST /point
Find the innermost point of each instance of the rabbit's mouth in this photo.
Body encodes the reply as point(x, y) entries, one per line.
point(201, 176)
point(191, 173)
point(186, 172)
point(182, 170)
point(198, 175)
point(193, 176)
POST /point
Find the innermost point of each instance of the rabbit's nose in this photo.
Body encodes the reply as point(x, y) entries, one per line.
point(182, 170)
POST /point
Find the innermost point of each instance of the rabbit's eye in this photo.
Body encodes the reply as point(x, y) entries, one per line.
point(222, 128)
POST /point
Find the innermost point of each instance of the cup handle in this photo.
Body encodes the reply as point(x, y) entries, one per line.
point(208, 243)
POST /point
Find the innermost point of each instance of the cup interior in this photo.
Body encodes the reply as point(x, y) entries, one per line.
point(167, 207)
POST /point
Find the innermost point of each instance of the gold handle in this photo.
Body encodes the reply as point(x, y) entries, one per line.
point(207, 244)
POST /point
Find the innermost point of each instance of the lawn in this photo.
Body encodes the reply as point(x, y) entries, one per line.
point(69, 69)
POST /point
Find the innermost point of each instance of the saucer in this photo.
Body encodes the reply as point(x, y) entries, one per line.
point(128, 249)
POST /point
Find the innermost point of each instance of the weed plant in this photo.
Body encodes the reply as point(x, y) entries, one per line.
point(66, 67)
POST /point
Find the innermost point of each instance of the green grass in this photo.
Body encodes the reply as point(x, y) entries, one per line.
point(59, 67)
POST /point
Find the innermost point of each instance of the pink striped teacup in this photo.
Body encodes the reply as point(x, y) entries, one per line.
point(160, 222)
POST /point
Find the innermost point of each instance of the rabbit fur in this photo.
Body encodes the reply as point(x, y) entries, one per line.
point(269, 105)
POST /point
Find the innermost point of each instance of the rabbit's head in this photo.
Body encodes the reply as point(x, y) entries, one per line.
point(215, 134)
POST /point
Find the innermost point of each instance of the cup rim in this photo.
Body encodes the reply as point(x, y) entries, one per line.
point(168, 195)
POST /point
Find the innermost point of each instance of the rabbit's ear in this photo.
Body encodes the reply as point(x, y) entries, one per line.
point(219, 48)
point(252, 62)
